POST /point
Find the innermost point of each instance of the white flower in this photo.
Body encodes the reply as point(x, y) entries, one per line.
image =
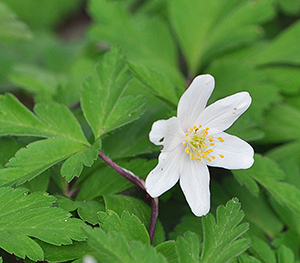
point(195, 139)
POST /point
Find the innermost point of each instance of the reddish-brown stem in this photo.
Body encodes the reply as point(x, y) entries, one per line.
point(154, 214)
point(140, 182)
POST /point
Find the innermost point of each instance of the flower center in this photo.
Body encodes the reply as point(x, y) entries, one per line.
point(200, 144)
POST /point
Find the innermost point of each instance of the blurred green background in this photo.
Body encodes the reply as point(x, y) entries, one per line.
point(49, 47)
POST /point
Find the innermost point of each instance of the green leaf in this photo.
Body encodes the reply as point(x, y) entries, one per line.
point(222, 242)
point(73, 165)
point(211, 28)
point(106, 181)
point(128, 224)
point(12, 29)
point(51, 120)
point(285, 255)
point(145, 39)
point(283, 49)
point(114, 247)
point(36, 158)
point(248, 259)
point(102, 98)
point(290, 7)
point(187, 223)
point(157, 82)
point(8, 147)
point(246, 77)
point(77, 250)
point(281, 118)
point(168, 249)
point(257, 210)
point(120, 203)
point(87, 210)
point(279, 75)
point(267, 173)
point(188, 248)
point(38, 220)
point(262, 251)
point(288, 239)
point(42, 83)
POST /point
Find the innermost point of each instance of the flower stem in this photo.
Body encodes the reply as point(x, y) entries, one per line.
point(140, 182)
point(154, 214)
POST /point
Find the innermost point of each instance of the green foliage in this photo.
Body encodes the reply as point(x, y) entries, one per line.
point(221, 243)
point(114, 247)
point(77, 77)
point(12, 29)
point(104, 94)
point(24, 217)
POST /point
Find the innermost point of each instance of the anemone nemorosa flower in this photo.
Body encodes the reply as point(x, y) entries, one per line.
point(196, 139)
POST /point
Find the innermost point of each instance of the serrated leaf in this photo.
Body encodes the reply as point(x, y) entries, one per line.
point(267, 173)
point(119, 203)
point(51, 120)
point(36, 158)
point(188, 248)
point(87, 210)
point(257, 210)
point(211, 28)
point(73, 165)
point(157, 82)
point(128, 224)
point(113, 247)
point(221, 243)
point(102, 97)
point(24, 217)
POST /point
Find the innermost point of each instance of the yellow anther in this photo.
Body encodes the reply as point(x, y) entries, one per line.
point(212, 144)
point(190, 130)
point(207, 128)
point(221, 155)
point(191, 156)
point(186, 134)
point(186, 139)
point(187, 150)
point(184, 144)
point(209, 159)
point(221, 139)
point(213, 157)
point(211, 139)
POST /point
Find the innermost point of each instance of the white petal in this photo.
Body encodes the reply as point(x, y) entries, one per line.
point(167, 133)
point(166, 174)
point(220, 115)
point(194, 182)
point(237, 153)
point(194, 99)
